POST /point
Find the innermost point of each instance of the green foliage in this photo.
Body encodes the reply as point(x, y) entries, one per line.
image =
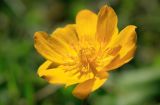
point(137, 83)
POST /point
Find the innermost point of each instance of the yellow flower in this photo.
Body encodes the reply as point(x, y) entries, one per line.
point(83, 53)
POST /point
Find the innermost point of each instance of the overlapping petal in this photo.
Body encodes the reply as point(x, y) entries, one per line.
point(82, 90)
point(119, 61)
point(68, 36)
point(58, 74)
point(107, 24)
point(127, 40)
point(53, 75)
point(59, 45)
point(44, 46)
point(98, 83)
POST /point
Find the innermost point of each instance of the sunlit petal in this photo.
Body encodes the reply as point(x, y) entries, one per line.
point(86, 23)
point(127, 40)
point(82, 90)
point(107, 24)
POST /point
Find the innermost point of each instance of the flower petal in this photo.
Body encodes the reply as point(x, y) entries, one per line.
point(44, 47)
point(102, 75)
point(68, 36)
point(44, 66)
point(54, 75)
point(86, 22)
point(57, 74)
point(119, 61)
point(127, 40)
point(107, 24)
point(52, 48)
point(82, 90)
point(98, 83)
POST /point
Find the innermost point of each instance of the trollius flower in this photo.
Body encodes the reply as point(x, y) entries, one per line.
point(83, 53)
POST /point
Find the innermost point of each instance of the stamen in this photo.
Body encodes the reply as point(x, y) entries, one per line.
point(85, 61)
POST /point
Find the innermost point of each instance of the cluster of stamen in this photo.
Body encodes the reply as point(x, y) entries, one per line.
point(87, 61)
point(84, 63)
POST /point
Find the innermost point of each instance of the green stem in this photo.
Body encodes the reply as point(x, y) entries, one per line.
point(85, 102)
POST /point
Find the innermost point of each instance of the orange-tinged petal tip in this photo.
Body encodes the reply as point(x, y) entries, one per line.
point(39, 34)
point(82, 90)
point(106, 25)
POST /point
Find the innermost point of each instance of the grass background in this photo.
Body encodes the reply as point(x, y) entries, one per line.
point(136, 83)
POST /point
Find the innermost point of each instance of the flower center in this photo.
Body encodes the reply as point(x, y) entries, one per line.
point(87, 59)
point(86, 55)
point(84, 65)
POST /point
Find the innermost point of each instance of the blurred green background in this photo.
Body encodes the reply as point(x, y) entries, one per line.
point(136, 83)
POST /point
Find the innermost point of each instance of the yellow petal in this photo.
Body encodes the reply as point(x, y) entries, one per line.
point(102, 75)
point(45, 48)
point(86, 22)
point(54, 75)
point(68, 36)
point(82, 90)
point(119, 61)
point(127, 37)
point(98, 83)
point(107, 24)
point(127, 40)
point(76, 78)
point(51, 48)
point(44, 66)
point(57, 74)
